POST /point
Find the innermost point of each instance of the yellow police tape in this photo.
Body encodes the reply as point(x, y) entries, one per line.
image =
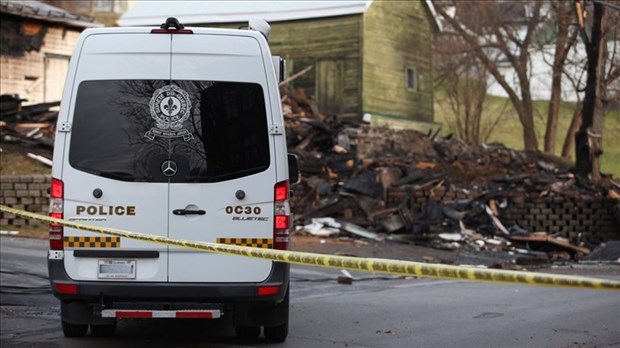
point(385, 266)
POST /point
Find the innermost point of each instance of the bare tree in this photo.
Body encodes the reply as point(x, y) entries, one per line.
point(601, 87)
point(569, 138)
point(611, 33)
point(463, 80)
point(575, 72)
point(490, 34)
point(563, 15)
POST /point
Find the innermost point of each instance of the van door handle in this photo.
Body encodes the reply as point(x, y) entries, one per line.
point(188, 212)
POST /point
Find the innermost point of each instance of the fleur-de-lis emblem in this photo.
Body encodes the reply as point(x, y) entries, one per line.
point(170, 107)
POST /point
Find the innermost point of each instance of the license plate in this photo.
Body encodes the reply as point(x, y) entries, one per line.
point(116, 269)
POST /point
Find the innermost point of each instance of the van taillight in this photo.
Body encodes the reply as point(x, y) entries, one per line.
point(282, 213)
point(56, 211)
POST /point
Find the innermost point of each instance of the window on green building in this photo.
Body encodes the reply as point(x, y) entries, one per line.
point(411, 79)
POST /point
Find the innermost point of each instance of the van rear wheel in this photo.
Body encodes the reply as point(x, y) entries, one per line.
point(103, 330)
point(74, 330)
point(248, 333)
point(279, 333)
point(276, 333)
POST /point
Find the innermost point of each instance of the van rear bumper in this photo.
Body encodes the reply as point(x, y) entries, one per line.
point(90, 291)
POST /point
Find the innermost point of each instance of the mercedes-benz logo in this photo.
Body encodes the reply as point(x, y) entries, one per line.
point(169, 168)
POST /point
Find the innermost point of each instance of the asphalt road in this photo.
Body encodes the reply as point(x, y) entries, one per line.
point(375, 311)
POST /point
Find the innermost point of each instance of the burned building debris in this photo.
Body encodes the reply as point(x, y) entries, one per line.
point(28, 126)
point(404, 185)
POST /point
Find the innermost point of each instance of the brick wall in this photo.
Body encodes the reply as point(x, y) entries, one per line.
point(567, 216)
point(26, 192)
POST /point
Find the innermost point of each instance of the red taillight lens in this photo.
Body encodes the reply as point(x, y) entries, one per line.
point(67, 288)
point(56, 231)
point(58, 189)
point(281, 218)
point(56, 242)
point(281, 191)
point(56, 216)
point(268, 290)
point(281, 222)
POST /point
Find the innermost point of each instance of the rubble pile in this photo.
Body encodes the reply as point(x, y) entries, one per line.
point(31, 125)
point(448, 194)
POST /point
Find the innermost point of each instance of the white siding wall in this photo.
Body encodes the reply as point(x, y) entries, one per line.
point(540, 71)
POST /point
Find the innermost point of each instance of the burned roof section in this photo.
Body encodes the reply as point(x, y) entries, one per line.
point(44, 12)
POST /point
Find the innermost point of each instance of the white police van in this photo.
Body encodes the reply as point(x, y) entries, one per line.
point(171, 132)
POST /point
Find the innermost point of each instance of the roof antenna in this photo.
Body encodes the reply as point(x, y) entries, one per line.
point(260, 25)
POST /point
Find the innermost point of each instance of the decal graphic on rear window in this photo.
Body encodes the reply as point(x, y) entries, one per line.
point(170, 106)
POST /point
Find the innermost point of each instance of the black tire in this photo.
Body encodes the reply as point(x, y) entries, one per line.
point(248, 333)
point(74, 330)
point(276, 334)
point(279, 333)
point(103, 330)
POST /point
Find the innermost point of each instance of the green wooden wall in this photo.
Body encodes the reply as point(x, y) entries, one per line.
point(360, 61)
point(333, 46)
point(397, 35)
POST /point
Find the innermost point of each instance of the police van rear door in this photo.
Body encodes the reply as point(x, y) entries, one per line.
point(109, 161)
point(223, 187)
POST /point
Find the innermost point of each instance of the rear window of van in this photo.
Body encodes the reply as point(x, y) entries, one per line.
point(129, 129)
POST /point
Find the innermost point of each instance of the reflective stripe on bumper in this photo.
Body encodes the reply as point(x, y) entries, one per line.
point(146, 314)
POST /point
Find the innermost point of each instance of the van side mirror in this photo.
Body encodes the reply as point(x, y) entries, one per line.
point(293, 169)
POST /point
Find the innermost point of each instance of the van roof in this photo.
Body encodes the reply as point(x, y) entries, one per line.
point(196, 30)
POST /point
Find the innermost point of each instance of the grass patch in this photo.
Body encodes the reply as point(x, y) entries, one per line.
point(611, 145)
point(17, 163)
point(510, 132)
